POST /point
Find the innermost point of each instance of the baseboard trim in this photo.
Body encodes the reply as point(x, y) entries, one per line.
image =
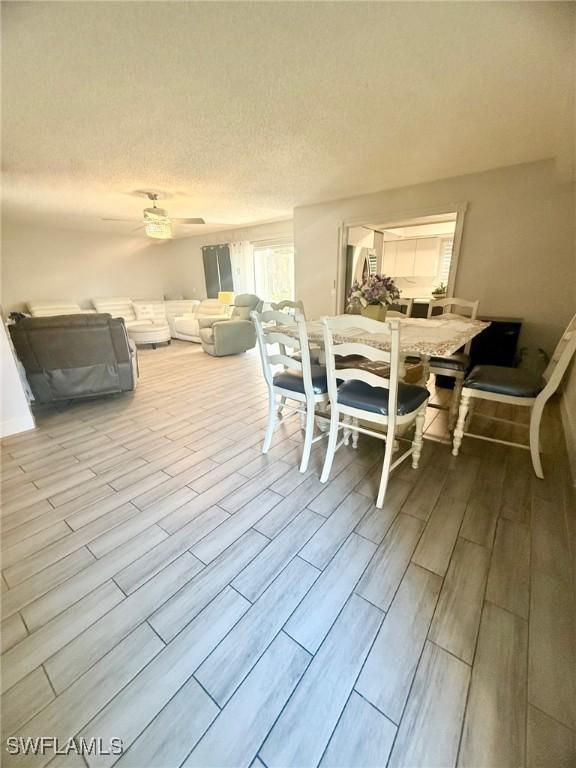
point(570, 437)
point(14, 426)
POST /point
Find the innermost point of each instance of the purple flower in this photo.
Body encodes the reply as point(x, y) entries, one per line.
point(375, 289)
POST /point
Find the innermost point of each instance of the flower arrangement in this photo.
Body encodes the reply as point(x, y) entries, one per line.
point(374, 290)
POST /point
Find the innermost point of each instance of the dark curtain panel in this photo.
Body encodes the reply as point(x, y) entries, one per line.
point(225, 269)
point(217, 269)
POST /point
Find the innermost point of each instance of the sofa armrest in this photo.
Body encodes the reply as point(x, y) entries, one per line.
point(208, 322)
point(236, 332)
point(134, 360)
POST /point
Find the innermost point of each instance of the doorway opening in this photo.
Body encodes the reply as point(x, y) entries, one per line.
point(420, 253)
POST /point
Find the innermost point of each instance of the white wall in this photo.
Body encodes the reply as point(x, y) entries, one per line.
point(517, 252)
point(42, 262)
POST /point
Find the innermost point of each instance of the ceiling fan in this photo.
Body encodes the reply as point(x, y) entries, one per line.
point(156, 221)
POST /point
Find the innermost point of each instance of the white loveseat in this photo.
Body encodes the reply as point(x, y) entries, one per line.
point(187, 326)
point(151, 322)
point(178, 308)
point(145, 321)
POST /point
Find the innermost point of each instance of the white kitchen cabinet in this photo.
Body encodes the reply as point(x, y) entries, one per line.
point(389, 258)
point(426, 257)
point(405, 253)
point(416, 257)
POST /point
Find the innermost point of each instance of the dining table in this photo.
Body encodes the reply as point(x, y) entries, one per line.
point(422, 338)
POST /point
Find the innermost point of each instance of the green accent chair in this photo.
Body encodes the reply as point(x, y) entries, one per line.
point(231, 337)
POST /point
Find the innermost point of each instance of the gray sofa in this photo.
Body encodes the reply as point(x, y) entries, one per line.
point(75, 356)
point(231, 337)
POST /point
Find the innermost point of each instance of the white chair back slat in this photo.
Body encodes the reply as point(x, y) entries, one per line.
point(277, 337)
point(463, 307)
point(289, 307)
point(359, 374)
point(344, 349)
point(341, 322)
point(273, 315)
point(391, 329)
point(285, 360)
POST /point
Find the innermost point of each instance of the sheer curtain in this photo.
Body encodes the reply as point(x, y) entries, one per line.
point(242, 262)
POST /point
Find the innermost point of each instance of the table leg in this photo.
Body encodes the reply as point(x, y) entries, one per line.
point(425, 369)
point(402, 369)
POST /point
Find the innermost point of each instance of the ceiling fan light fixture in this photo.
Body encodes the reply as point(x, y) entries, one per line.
point(157, 224)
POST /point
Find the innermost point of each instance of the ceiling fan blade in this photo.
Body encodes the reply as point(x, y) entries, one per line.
point(137, 229)
point(188, 221)
point(130, 220)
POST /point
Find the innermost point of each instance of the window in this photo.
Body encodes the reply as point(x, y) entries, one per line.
point(445, 259)
point(372, 262)
point(274, 270)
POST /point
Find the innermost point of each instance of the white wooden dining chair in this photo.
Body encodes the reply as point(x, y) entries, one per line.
point(295, 379)
point(516, 386)
point(357, 394)
point(292, 308)
point(405, 308)
point(453, 366)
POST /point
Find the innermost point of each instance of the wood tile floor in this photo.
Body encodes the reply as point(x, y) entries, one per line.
point(165, 584)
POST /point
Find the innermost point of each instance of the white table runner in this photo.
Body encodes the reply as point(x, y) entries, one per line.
point(440, 336)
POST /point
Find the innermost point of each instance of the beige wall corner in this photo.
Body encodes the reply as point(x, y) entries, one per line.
point(15, 415)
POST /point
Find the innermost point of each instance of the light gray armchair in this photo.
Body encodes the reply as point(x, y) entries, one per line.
point(230, 337)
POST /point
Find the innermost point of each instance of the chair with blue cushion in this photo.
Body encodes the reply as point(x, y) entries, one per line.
point(295, 379)
point(361, 395)
point(454, 366)
point(516, 386)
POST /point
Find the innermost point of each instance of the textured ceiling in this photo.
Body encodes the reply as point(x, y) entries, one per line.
point(244, 110)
